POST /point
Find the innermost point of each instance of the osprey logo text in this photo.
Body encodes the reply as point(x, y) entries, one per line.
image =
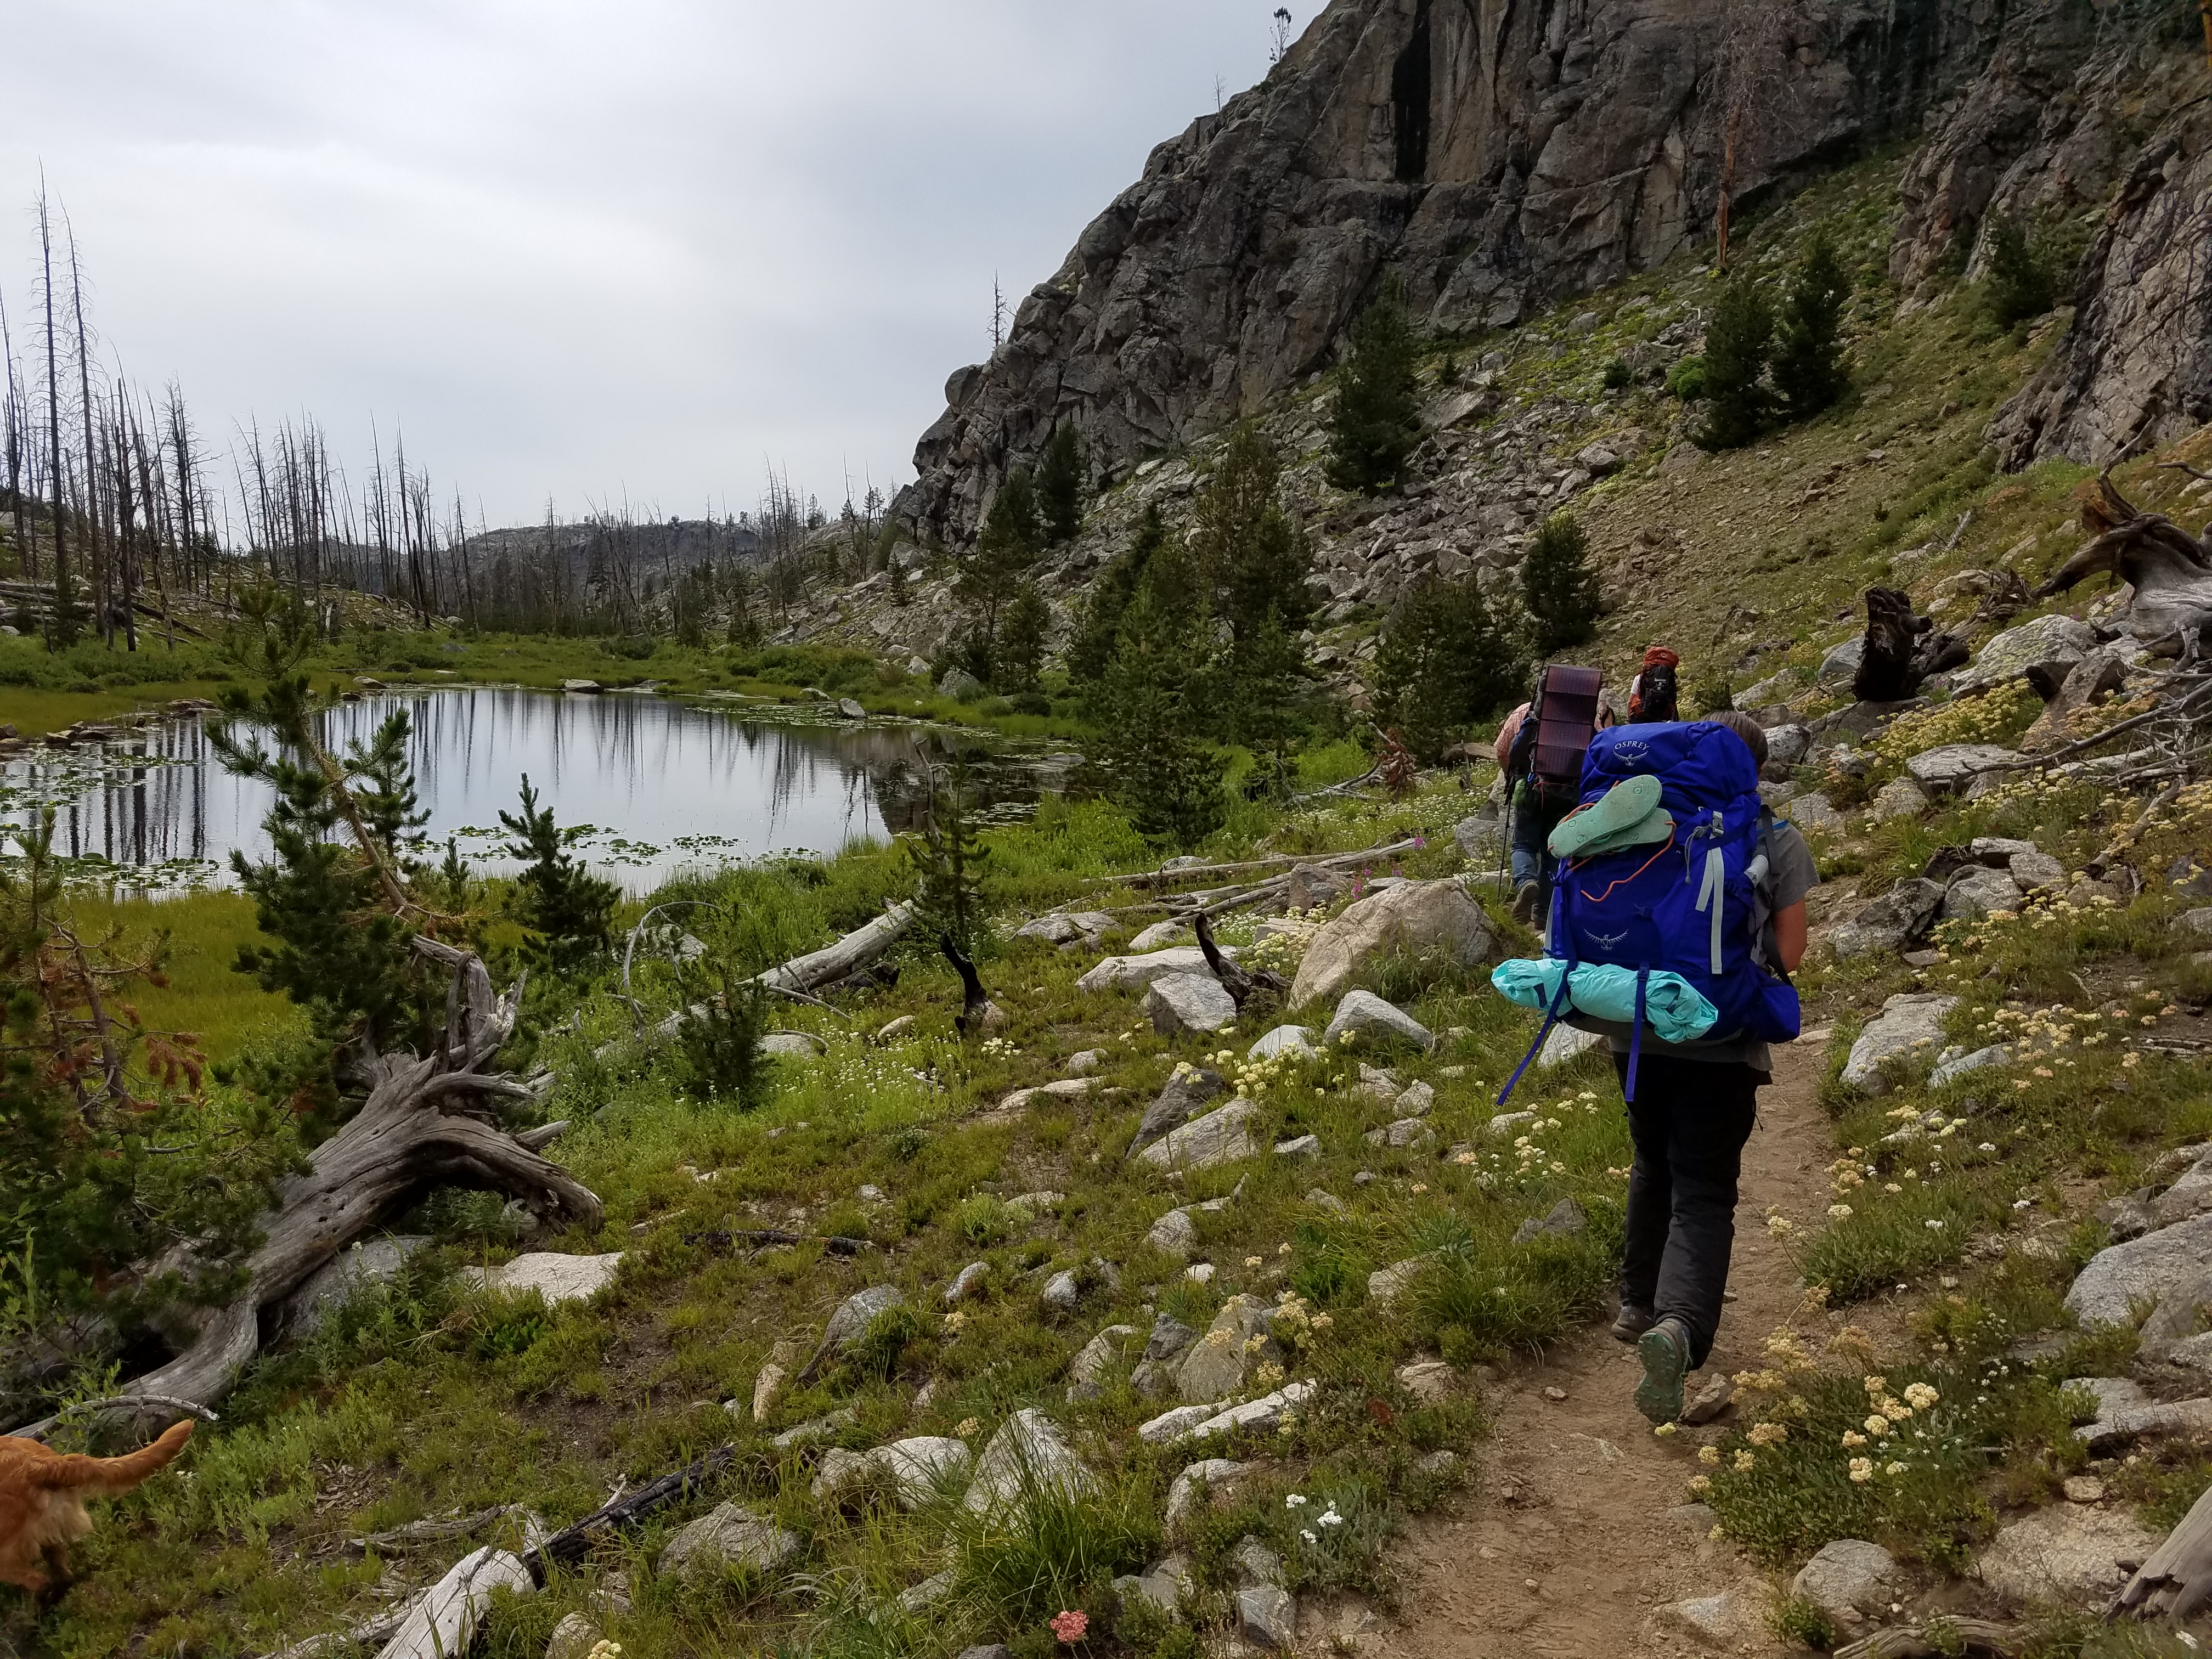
point(1634, 750)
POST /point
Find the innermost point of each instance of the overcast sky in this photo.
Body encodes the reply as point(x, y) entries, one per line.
point(586, 250)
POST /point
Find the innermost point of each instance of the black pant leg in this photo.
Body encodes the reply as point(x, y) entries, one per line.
point(1710, 1112)
point(1650, 1193)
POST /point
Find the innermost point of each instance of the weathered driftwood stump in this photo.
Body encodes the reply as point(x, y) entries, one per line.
point(2169, 570)
point(2177, 1579)
point(427, 1122)
point(1902, 650)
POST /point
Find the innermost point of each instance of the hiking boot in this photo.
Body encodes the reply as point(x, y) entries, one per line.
point(1630, 1322)
point(1526, 903)
point(1665, 1351)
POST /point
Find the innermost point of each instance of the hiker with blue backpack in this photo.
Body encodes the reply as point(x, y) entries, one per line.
point(1677, 917)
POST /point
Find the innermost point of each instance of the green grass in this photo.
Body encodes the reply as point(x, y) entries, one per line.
point(200, 932)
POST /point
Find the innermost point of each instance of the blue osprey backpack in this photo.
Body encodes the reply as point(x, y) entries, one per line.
point(1694, 906)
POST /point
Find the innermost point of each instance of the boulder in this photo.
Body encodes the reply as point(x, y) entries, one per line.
point(1283, 1040)
point(2069, 1553)
point(1900, 798)
point(838, 1470)
point(1061, 1293)
point(2141, 1270)
point(1481, 837)
point(856, 1313)
point(368, 1261)
point(1136, 973)
point(788, 1045)
point(2190, 1194)
point(1814, 815)
point(1907, 1026)
point(1313, 886)
point(1950, 1070)
point(2035, 870)
point(1891, 922)
point(1788, 746)
point(1085, 1062)
point(1848, 1579)
point(1217, 1365)
point(445, 1618)
point(851, 709)
point(1210, 1476)
point(2051, 645)
point(573, 1637)
point(1726, 1619)
point(960, 685)
point(1026, 1455)
point(1976, 892)
point(1160, 936)
point(1162, 1586)
point(1841, 666)
point(1421, 918)
point(1267, 1617)
point(923, 1467)
point(2090, 681)
point(1154, 1376)
point(1952, 767)
point(584, 688)
point(730, 1537)
point(1188, 1004)
point(1370, 1015)
point(1503, 1125)
point(1189, 1089)
point(558, 1279)
point(1223, 1136)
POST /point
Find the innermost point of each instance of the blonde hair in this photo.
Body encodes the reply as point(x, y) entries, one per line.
point(1752, 733)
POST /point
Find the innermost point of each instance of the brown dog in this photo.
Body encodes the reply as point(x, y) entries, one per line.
point(42, 1493)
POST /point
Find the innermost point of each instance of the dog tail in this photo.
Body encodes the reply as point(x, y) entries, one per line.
point(121, 1474)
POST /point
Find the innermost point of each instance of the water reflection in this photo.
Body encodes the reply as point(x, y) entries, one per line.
point(667, 784)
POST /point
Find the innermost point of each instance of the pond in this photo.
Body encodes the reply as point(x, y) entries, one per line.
point(665, 784)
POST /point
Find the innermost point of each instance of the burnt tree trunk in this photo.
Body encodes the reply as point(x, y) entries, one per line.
point(424, 1124)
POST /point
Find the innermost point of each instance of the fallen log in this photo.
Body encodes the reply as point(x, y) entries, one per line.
point(410, 1134)
point(571, 1544)
point(1948, 1636)
point(832, 962)
point(835, 1243)
point(2177, 1579)
point(1199, 871)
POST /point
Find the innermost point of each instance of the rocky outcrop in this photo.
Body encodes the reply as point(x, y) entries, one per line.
point(1498, 156)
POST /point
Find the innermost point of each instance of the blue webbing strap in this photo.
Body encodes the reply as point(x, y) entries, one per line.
point(1551, 1018)
point(1636, 1040)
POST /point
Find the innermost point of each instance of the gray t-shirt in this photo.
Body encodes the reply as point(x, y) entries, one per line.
point(1793, 876)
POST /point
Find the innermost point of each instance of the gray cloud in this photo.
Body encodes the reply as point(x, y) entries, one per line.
point(589, 250)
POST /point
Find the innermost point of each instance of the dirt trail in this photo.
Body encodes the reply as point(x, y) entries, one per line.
point(1563, 1546)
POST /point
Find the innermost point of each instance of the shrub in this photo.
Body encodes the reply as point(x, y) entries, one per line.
point(1558, 586)
point(1373, 424)
point(1738, 341)
point(2021, 283)
point(1443, 663)
point(1617, 374)
point(1687, 380)
point(1808, 362)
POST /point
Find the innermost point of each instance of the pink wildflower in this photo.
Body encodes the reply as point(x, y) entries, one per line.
point(1069, 1626)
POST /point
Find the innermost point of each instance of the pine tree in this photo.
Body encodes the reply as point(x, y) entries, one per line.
point(1738, 341)
point(949, 861)
point(744, 621)
point(1157, 701)
point(1809, 356)
point(1006, 548)
point(1262, 678)
point(1252, 556)
point(1060, 486)
point(1557, 585)
point(569, 909)
point(1022, 636)
point(1090, 652)
point(894, 582)
point(1444, 662)
point(1374, 423)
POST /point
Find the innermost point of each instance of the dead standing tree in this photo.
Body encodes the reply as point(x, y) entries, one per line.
point(1749, 93)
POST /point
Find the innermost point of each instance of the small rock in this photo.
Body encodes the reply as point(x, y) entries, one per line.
point(2084, 1489)
point(556, 1277)
point(1324, 1200)
point(1959, 1065)
point(573, 1637)
point(1717, 1394)
point(1976, 892)
point(1503, 1125)
point(1089, 1368)
point(1565, 1218)
point(1199, 1272)
point(1723, 1621)
point(851, 709)
point(838, 1470)
point(1177, 1103)
point(966, 1283)
point(1953, 766)
point(1305, 1146)
point(1062, 1293)
point(1555, 1394)
point(1218, 1363)
point(1406, 1132)
point(1387, 1284)
point(1173, 1234)
point(1212, 1476)
point(895, 1030)
point(1900, 798)
point(1088, 1061)
point(2034, 871)
point(1417, 1100)
point(767, 1387)
point(1160, 936)
point(1429, 1381)
point(1027, 1454)
point(1565, 1043)
point(1164, 1585)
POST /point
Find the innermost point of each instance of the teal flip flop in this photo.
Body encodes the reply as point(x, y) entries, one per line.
point(1627, 805)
